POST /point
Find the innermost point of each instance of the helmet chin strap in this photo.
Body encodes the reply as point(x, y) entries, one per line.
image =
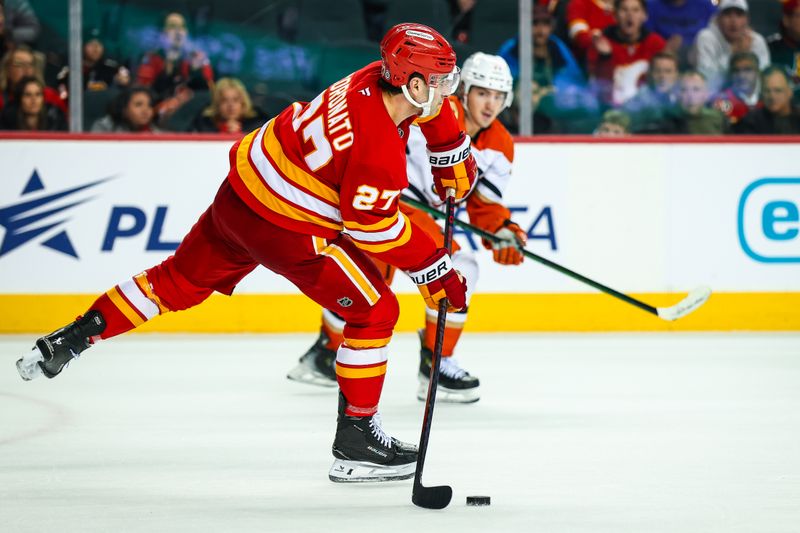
point(425, 106)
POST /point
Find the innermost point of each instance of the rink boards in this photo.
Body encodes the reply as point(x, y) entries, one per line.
point(654, 219)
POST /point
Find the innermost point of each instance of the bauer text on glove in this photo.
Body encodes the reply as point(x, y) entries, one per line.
point(453, 167)
point(437, 279)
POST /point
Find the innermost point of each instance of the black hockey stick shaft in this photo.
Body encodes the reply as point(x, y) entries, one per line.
point(434, 497)
point(555, 266)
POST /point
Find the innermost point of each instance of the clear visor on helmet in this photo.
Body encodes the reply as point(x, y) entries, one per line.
point(447, 83)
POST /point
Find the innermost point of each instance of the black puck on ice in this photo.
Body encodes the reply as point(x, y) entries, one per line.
point(479, 500)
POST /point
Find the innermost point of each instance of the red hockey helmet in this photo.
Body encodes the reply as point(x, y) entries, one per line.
point(408, 48)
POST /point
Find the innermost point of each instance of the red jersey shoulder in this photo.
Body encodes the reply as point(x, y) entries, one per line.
point(371, 121)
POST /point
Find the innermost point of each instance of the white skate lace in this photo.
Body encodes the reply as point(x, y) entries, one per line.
point(450, 368)
point(377, 431)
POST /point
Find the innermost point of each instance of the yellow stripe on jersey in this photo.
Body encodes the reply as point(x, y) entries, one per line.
point(362, 344)
point(359, 373)
point(377, 226)
point(354, 273)
point(402, 239)
point(319, 244)
point(143, 283)
point(263, 195)
point(292, 171)
point(124, 307)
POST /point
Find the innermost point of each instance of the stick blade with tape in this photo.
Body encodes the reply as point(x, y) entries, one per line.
point(693, 300)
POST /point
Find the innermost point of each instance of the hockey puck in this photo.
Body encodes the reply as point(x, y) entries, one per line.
point(479, 500)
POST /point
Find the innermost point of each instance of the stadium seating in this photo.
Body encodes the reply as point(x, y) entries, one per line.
point(330, 21)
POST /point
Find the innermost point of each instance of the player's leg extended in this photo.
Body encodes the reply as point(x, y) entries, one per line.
point(456, 385)
point(317, 365)
point(199, 266)
point(343, 278)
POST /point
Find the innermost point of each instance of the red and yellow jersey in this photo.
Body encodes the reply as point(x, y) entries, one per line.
point(493, 149)
point(584, 17)
point(337, 164)
point(620, 73)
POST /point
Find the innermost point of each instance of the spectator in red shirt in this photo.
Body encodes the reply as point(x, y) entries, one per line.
point(619, 62)
point(18, 64)
point(741, 94)
point(586, 20)
point(176, 71)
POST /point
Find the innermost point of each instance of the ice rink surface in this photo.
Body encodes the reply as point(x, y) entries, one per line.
point(641, 433)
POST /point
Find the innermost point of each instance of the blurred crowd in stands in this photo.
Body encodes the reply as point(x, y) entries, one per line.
point(608, 67)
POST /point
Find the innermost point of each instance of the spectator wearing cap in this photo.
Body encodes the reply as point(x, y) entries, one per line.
point(619, 63)
point(658, 97)
point(728, 33)
point(615, 123)
point(692, 115)
point(679, 22)
point(777, 116)
point(555, 69)
point(552, 58)
point(99, 72)
point(784, 47)
point(741, 95)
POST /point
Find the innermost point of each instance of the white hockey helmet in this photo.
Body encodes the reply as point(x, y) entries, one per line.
point(489, 72)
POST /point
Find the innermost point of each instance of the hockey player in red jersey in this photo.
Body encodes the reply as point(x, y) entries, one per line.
point(318, 169)
point(487, 90)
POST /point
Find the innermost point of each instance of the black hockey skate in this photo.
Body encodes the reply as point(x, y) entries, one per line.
point(317, 365)
point(455, 383)
point(55, 351)
point(364, 452)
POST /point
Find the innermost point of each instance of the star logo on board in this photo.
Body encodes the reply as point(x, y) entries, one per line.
point(37, 215)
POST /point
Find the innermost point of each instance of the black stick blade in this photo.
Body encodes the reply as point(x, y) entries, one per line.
point(432, 497)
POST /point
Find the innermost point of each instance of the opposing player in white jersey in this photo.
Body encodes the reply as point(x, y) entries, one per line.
point(486, 91)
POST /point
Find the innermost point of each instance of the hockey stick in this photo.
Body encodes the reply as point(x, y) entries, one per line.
point(434, 497)
point(691, 302)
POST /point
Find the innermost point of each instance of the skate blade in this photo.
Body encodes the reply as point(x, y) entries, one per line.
point(445, 395)
point(303, 373)
point(28, 367)
point(344, 471)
